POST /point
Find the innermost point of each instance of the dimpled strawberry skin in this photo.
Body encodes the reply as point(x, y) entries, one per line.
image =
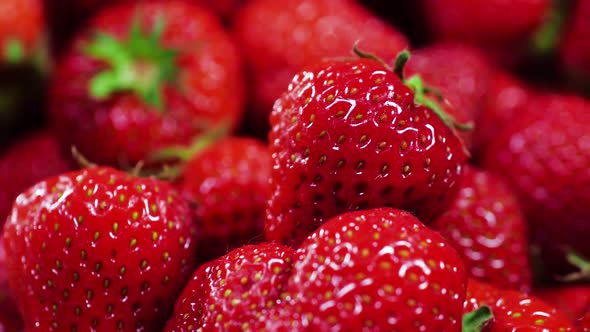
point(348, 136)
point(98, 248)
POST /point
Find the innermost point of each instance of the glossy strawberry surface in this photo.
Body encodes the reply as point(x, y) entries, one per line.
point(26, 162)
point(376, 270)
point(515, 311)
point(229, 183)
point(487, 228)
point(544, 154)
point(205, 90)
point(98, 249)
point(234, 292)
point(348, 136)
point(304, 33)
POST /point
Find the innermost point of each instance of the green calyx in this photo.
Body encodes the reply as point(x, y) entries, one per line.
point(139, 64)
point(185, 153)
point(579, 262)
point(422, 95)
point(546, 38)
point(476, 320)
point(14, 51)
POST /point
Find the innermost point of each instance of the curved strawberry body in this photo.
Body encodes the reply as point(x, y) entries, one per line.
point(234, 292)
point(460, 73)
point(349, 136)
point(28, 161)
point(98, 249)
point(379, 270)
point(142, 77)
point(486, 227)
point(304, 33)
point(229, 183)
point(514, 311)
point(486, 22)
point(574, 49)
point(545, 156)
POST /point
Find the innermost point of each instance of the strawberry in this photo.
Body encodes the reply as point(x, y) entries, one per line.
point(486, 226)
point(302, 33)
point(26, 162)
point(571, 300)
point(98, 249)
point(229, 182)
point(514, 311)
point(235, 291)
point(349, 135)
point(374, 270)
point(461, 73)
point(574, 49)
point(142, 77)
point(491, 22)
point(10, 319)
point(504, 98)
point(548, 165)
point(22, 67)
point(367, 270)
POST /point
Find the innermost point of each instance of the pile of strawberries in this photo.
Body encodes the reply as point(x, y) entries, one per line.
point(296, 165)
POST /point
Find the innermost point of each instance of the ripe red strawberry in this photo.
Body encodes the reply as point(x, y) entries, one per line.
point(514, 311)
point(485, 22)
point(504, 98)
point(461, 73)
point(544, 154)
point(22, 66)
point(486, 226)
point(143, 76)
point(375, 270)
point(573, 301)
point(574, 47)
point(98, 249)
point(229, 182)
point(234, 292)
point(10, 319)
point(349, 135)
point(303, 33)
point(28, 161)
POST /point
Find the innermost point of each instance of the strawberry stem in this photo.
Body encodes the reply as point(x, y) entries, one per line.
point(80, 159)
point(476, 320)
point(185, 153)
point(581, 263)
point(546, 38)
point(139, 64)
point(400, 63)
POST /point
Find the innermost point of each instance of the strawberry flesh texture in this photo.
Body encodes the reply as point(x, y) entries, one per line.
point(514, 311)
point(98, 248)
point(572, 300)
point(304, 33)
point(544, 155)
point(26, 162)
point(234, 292)
point(460, 73)
point(229, 183)
point(487, 228)
point(123, 129)
point(348, 136)
point(379, 269)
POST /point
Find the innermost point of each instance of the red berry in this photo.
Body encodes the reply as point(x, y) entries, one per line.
point(349, 135)
point(573, 301)
point(143, 76)
point(575, 48)
point(514, 311)
point(229, 183)
point(486, 227)
point(98, 249)
point(544, 154)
